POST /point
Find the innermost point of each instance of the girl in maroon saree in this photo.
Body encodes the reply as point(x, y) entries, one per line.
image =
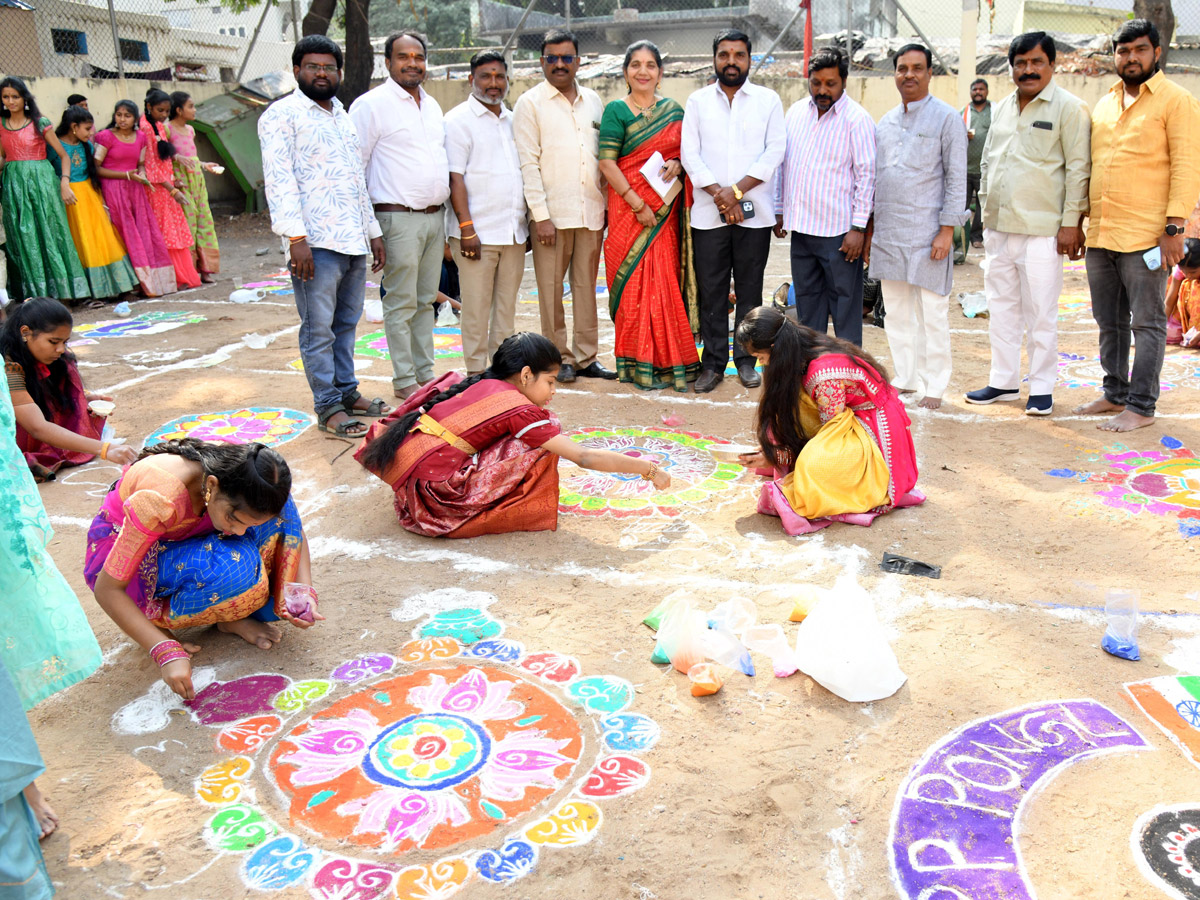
point(479, 455)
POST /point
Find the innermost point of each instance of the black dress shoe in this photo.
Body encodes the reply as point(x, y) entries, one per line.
point(595, 370)
point(707, 381)
point(748, 377)
point(566, 373)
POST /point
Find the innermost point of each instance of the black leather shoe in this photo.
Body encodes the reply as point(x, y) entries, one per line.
point(595, 370)
point(566, 373)
point(748, 377)
point(707, 381)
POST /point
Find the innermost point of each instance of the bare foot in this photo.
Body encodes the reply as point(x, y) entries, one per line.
point(261, 634)
point(47, 818)
point(405, 392)
point(190, 647)
point(1126, 421)
point(1096, 407)
point(930, 402)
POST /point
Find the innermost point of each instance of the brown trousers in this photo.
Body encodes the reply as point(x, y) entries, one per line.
point(577, 251)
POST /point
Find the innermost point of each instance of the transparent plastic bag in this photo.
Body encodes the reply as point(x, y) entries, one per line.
point(770, 640)
point(705, 679)
point(842, 646)
point(681, 636)
point(1120, 637)
point(655, 616)
point(806, 597)
point(734, 615)
point(722, 647)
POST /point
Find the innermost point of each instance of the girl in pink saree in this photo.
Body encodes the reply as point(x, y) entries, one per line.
point(831, 427)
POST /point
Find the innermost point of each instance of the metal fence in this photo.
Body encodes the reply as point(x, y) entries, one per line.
point(156, 40)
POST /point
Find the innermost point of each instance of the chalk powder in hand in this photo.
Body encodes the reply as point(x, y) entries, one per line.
point(300, 601)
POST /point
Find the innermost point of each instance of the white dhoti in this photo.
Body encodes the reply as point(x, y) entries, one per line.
point(918, 334)
point(1023, 279)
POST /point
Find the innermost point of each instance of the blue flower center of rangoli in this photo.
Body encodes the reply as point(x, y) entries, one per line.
point(427, 752)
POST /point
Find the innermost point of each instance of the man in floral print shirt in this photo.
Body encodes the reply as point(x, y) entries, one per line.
point(317, 194)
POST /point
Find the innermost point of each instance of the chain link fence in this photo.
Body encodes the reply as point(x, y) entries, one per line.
point(155, 40)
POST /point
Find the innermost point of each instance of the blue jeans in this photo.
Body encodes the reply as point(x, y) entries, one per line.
point(330, 306)
point(1128, 298)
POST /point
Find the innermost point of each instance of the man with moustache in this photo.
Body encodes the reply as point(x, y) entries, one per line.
point(319, 204)
point(978, 119)
point(487, 224)
point(920, 184)
point(403, 143)
point(1034, 197)
point(824, 194)
point(556, 126)
point(733, 141)
point(1145, 180)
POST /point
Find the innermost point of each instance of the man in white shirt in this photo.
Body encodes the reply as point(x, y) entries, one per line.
point(557, 129)
point(733, 141)
point(313, 176)
point(487, 224)
point(403, 146)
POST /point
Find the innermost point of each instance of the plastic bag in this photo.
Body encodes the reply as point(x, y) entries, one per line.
point(1120, 638)
point(655, 616)
point(445, 316)
point(705, 679)
point(842, 646)
point(721, 646)
point(734, 615)
point(300, 600)
point(974, 304)
point(770, 639)
point(373, 310)
point(681, 635)
point(806, 598)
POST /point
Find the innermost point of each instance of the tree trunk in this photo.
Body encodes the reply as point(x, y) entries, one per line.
point(360, 59)
point(318, 17)
point(1160, 13)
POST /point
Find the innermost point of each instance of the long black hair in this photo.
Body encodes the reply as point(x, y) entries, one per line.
point(1191, 254)
point(41, 314)
point(31, 108)
point(130, 107)
point(154, 96)
point(178, 99)
point(524, 348)
point(793, 347)
point(252, 477)
point(77, 115)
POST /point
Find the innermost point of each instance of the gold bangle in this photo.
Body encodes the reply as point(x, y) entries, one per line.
point(104, 450)
point(296, 240)
point(649, 476)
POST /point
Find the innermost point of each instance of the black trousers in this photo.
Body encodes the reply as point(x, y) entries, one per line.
point(827, 285)
point(973, 182)
point(720, 252)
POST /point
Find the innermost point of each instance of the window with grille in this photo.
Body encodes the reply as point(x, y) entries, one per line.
point(69, 42)
point(135, 51)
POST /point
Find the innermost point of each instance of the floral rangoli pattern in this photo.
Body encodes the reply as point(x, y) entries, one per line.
point(447, 344)
point(1164, 482)
point(457, 757)
point(695, 473)
point(143, 324)
point(1180, 370)
point(239, 426)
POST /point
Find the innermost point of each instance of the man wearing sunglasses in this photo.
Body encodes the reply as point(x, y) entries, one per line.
point(556, 126)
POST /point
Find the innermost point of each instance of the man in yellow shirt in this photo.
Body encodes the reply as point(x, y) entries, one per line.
point(1145, 181)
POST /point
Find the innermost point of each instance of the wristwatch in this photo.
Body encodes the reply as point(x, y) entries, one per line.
point(737, 193)
point(859, 228)
point(1172, 230)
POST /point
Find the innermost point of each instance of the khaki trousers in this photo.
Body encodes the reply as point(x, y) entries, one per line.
point(489, 287)
point(415, 243)
point(577, 251)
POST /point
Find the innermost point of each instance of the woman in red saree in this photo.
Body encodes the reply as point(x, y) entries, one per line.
point(828, 406)
point(55, 426)
point(647, 254)
point(479, 455)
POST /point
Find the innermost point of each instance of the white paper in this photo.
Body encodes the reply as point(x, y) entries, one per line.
point(652, 172)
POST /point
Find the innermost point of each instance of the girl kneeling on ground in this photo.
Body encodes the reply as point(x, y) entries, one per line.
point(480, 455)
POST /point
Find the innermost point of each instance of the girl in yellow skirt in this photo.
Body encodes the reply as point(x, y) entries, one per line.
point(105, 262)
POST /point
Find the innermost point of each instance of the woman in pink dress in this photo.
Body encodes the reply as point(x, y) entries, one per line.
point(830, 425)
point(165, 198)
point(120, 149)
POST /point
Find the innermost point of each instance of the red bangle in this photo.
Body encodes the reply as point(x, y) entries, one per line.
point(168, 651)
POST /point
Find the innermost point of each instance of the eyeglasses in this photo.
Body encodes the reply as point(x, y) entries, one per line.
point(314, 69)
point(565, 60)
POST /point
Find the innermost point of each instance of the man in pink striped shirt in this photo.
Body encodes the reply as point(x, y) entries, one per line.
point(824, 197)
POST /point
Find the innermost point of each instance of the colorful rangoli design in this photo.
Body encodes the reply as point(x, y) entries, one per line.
point(143, 324)
point(1172, 702)
point(458, 757)
point(447, 344)
point(1074, 306)
point(239, 426)
point(1163, 482)
point(1178, 371)
point(684, 455)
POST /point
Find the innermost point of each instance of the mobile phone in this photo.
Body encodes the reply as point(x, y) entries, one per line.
point(1153, 258)
point(747, 210)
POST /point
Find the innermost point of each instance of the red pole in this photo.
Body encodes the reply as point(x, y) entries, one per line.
point(806, 5)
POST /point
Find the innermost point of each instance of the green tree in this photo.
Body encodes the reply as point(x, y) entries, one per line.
point(445, 23)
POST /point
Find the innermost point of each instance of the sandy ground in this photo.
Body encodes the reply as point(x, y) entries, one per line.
point(771, 788)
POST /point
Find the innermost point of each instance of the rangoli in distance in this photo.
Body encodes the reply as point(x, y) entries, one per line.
point(447, 344)
point(265, 425)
